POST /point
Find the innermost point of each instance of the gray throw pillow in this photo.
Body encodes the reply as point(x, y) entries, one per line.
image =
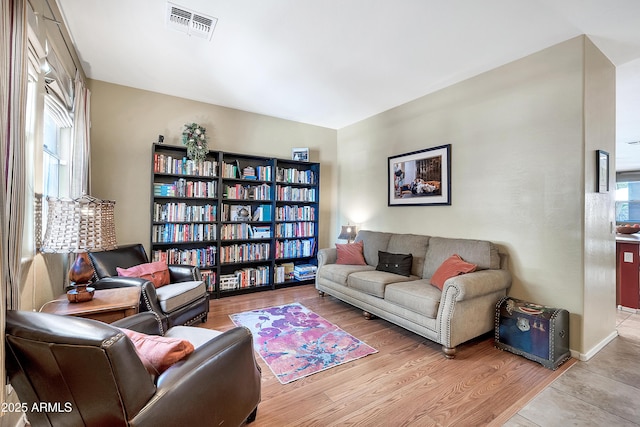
point(395, 263)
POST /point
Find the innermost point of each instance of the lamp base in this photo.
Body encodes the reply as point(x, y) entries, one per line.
point(80, 293)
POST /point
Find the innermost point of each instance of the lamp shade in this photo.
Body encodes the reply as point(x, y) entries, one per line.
point(348, 233)
point(79, 225)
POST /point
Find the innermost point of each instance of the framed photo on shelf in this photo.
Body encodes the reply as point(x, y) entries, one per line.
point(420, 177)
point(300, 154)
point(602, 171)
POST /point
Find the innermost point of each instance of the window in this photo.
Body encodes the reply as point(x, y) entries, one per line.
point(628, 201)
point(56, 146)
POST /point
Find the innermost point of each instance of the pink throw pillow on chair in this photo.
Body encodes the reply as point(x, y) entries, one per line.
point(156, 272)
point(156, 352)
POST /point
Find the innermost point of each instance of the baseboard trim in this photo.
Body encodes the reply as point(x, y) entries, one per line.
point(588, 355)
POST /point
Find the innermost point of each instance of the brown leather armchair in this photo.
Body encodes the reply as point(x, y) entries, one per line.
point(85, 372)
point(183, 302)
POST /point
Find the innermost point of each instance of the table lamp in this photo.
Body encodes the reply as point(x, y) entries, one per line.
point(79, 226)
point(348, 233)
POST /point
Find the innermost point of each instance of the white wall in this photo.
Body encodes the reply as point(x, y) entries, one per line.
point(518, 174)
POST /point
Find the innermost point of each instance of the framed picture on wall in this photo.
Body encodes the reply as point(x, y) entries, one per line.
point(420, 177)
point(602, 171)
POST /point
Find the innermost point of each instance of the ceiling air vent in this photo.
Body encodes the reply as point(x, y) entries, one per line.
point(189, 22)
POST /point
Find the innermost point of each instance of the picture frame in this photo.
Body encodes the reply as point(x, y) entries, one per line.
point(602, 171)
point(300, 154)
point(420, 178)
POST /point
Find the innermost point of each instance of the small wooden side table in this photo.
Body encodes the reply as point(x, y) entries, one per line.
point(107, 305)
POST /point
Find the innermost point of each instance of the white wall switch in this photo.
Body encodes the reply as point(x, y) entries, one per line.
point(628, 257)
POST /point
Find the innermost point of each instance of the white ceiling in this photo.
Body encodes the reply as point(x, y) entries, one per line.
point(332, 63)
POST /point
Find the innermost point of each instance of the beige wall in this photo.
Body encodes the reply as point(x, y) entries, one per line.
point(126, 121)
point(520, 175)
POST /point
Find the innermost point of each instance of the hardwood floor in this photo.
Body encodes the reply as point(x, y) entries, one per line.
point(408, 382)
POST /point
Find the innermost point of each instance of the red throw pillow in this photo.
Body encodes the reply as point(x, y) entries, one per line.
point(452, 266)
point(158, 353)
point(350, 253)
point(156, 272)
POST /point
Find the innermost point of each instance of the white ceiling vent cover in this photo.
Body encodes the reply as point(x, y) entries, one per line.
point(189, 22)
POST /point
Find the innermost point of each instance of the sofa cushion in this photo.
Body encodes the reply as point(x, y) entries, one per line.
point(338, 273)
point(452, 266)
point(482, 253)
point(350, 253)
point(373, 282)
point(410, 244)
point(373, 241)
point(417, 295)
point(395, 263)
point(176, 295)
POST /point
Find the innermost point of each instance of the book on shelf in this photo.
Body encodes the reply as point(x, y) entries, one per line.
point(305, 271)
point(261, 232)
point(249, 173)
point(262, 213)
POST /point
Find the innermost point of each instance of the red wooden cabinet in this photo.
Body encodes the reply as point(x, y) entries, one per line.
point(628, 274)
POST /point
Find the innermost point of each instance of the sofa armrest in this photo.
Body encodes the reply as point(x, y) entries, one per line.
point(185, 393)
point(478, 283)
point(327, 256)
point(183, 273)
point(146, 322)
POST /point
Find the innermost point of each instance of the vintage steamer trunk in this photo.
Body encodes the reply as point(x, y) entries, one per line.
point(534, 331)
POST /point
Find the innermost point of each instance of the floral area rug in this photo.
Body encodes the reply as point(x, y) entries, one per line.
point(295, 342)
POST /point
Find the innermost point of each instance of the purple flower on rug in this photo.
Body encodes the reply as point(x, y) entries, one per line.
point(296, 342)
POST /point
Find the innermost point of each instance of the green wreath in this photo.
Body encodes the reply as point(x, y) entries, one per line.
point(194, 137)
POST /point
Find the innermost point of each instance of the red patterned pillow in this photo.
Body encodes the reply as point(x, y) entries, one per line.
point(158, 353)
point(156, 272)
point(452, 266)
point(350, 253)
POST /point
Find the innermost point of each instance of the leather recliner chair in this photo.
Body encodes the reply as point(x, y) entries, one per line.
point(75, 371)
point(183, 302)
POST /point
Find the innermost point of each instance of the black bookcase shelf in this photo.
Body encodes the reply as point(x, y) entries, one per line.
point(261, 218)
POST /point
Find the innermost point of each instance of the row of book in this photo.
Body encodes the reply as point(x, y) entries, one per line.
point(283, 272)
point(183, 212)
point(233, 171)
point(244, 231)
point(246, 213)
point(295, 213)
point(184, 188)
point(295, 176)
point(295, 194)
point(176, 233)
point(295, 229)
point(200, 257)
point(247, 192)
point(297, 248)
point(245, 278)
point(244, 252)
point(163, 163)
point(209, 279)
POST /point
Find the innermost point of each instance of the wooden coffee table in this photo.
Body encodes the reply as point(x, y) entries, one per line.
point(107, 305)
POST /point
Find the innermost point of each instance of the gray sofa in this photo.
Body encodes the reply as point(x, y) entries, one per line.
point(463, 310)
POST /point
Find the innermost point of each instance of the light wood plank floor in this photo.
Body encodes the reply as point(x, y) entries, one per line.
point(408, 382)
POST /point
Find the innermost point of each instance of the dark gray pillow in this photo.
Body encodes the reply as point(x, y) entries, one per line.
point(395, 263)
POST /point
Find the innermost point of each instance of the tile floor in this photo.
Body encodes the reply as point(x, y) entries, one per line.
point(604, 391)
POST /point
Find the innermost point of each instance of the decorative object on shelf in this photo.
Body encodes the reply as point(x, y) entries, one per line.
point(160, 139)
point(79, 226)
point(628, 228)
point(420, 177)
point(348, 233)
point(602, 171)
point(300, 154)
point(194, 137)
